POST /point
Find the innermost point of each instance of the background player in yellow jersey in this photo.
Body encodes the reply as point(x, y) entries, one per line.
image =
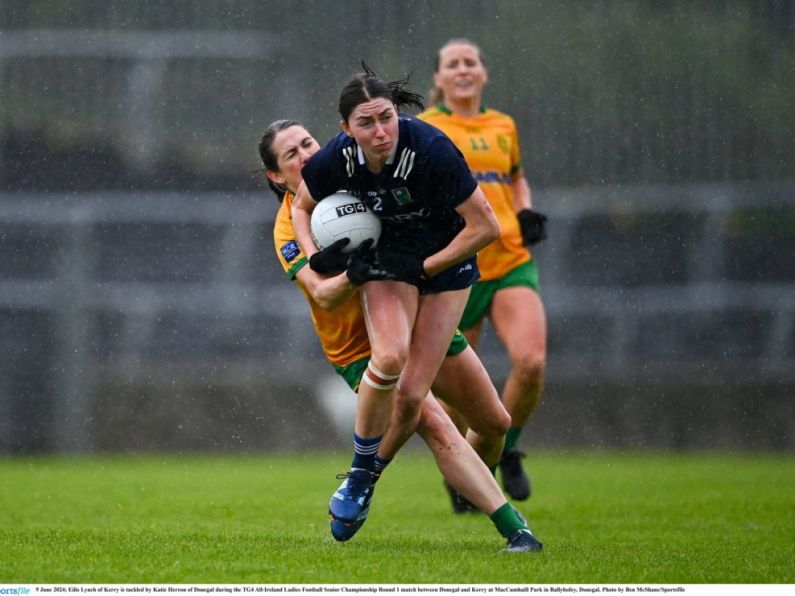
point(507, 292)
point(340, 324)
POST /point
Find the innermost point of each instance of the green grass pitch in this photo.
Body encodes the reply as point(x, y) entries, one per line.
point(619, 518)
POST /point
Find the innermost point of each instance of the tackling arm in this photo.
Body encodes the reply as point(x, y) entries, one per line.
point(328, 292)
point(361, 267)
point(303, 205)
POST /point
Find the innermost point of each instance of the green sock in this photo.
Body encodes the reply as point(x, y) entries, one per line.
point(511, 437)
point(506, 520)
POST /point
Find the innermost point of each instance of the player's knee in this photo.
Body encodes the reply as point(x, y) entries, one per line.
point(490, 419)
point(437, 430)
point(390, 360)
point(500, 423)
point(529, 366)
point(492, 424)
point(431, 428)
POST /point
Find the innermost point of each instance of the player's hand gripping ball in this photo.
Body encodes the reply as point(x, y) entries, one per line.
point(331, 259)
point(363, 265)
point(341, 216)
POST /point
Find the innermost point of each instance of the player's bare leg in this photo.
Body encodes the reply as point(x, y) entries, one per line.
point(519, 320)
point(389, 309)
point(464, 385)
point(467, 474)
point(435, 324)
point(457, 461)
point(470, 399)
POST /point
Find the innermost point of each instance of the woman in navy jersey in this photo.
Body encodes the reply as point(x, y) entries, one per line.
point(434, 220)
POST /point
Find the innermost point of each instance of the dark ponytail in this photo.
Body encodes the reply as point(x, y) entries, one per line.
point(367, 85)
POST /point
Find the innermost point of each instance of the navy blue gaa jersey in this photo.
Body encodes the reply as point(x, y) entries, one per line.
point(416, 193)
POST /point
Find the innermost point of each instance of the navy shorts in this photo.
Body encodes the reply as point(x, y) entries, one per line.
point(459, 276)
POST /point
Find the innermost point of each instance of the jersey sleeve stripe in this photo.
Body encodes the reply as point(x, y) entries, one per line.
point(293, 271)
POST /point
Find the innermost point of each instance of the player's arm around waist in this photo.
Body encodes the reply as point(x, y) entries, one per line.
point(481, 229)
point(303, 205)
point(327, 292)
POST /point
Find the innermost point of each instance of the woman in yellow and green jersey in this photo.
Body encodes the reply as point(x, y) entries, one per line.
point(507, 292)
point(337, 315)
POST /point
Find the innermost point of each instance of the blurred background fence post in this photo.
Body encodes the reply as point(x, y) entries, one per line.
point(73, 366)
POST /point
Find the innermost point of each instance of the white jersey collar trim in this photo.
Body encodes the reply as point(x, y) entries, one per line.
point(389, 160)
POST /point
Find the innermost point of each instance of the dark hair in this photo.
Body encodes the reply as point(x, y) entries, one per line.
point(269, 158)
point(367, 85)
point(436, 94)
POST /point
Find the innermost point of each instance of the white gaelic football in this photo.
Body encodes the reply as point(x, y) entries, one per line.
point(343, 216)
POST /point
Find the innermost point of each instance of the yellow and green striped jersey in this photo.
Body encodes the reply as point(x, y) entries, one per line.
point(490, 144)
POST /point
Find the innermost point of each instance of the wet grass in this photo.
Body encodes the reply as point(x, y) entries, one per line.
point(619, 518)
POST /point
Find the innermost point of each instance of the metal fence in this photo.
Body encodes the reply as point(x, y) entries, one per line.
point(181, 292)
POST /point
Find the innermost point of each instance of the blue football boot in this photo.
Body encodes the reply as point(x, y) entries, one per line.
point(342, 530)
point(352, 499)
